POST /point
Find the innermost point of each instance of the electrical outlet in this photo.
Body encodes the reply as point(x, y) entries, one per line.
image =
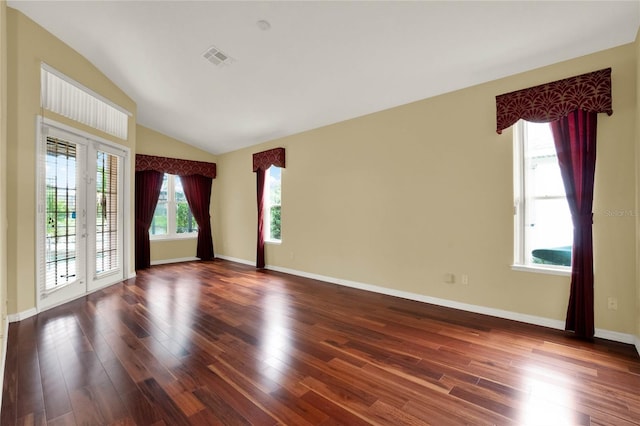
point(465, 279)
point(612, 303)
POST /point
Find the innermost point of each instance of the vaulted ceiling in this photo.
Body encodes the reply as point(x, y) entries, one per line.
point(313, 63)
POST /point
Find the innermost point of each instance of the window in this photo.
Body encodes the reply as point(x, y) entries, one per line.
point(64, 96)
point(543, 226)
point(172, 218)
point(272, 207)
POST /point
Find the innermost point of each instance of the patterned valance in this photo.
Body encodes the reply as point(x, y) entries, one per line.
point(265, 159)
point(175, 166)
point(548, 102)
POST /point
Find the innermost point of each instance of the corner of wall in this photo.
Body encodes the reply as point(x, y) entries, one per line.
point(4, 324)
point(637, 145)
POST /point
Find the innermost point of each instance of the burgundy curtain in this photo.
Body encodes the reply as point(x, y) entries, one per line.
point(575, 139)
point(552, 101)
point(260, 174)
point(261, 162)
point(571, 106)
point(182, 168)
point(175, 166)
point(197, 189)
point(148, 184)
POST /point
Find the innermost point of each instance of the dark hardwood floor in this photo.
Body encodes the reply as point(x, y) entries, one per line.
point(221, 343)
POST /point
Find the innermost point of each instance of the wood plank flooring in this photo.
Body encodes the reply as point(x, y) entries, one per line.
point(218, 343)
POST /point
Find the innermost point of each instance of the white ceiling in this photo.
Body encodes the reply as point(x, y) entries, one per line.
point(321, 62)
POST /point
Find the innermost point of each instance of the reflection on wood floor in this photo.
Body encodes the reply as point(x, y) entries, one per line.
point(209, 343)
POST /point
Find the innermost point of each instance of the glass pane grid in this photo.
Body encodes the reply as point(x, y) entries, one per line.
point(172, 215)
point(107, 258)
point(60, 213)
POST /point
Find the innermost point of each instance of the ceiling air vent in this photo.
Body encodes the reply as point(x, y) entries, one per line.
point(216, 57)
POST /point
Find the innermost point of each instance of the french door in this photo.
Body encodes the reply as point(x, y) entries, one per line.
point(80, 216)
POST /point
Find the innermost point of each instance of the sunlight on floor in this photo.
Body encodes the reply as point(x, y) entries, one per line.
point(175, 307)
point(275, 343)
point(550, 398)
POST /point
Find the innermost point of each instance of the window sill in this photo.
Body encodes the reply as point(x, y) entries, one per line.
point(566, 272)
point(173, 237)
point(278, 242)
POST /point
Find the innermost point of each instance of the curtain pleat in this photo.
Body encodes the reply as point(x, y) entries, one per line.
point(575, 139)
point(197, 189)
point(261, 163)
point(260, 179)
point(148, 185)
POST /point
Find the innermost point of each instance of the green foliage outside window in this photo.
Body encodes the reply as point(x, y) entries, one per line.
point(172, 197)
point(275, 222)
point(275, 188)
point(59, 217)
point(185, 222)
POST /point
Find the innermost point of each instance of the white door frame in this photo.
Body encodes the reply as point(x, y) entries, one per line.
point(99, 144)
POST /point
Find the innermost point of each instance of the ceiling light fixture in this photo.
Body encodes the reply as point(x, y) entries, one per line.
point(264, 25)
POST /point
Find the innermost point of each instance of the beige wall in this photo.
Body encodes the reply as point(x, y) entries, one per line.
point(3, 170)
point(28, 46)
point(637, 115)
point(151, 142)
point(402, 197)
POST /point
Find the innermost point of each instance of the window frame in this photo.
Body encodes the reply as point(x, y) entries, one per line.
point(171, 215)
point(520, 207)
point(268, 205)
point(65, 96)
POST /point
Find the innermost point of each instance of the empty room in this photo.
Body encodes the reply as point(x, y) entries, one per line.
point(319, 212)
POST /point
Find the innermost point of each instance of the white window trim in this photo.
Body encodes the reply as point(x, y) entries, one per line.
point(171, 234)
point(550, 270)
point(65, 96)
point(519, 207)
point(174, 237)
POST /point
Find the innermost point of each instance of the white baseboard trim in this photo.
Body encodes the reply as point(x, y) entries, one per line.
point(530, 319)
point(35, 311)
point(237, 260)
point(22, 315)
point(616, 336)
point(499, 313)
point(178, 260)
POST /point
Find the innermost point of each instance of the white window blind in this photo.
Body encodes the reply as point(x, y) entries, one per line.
point(66, 97)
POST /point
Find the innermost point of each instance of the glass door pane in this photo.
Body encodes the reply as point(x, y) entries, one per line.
point(80, 216)
point(107, 226)
point(61, 214)
point(62, 219)
point(105, 221)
